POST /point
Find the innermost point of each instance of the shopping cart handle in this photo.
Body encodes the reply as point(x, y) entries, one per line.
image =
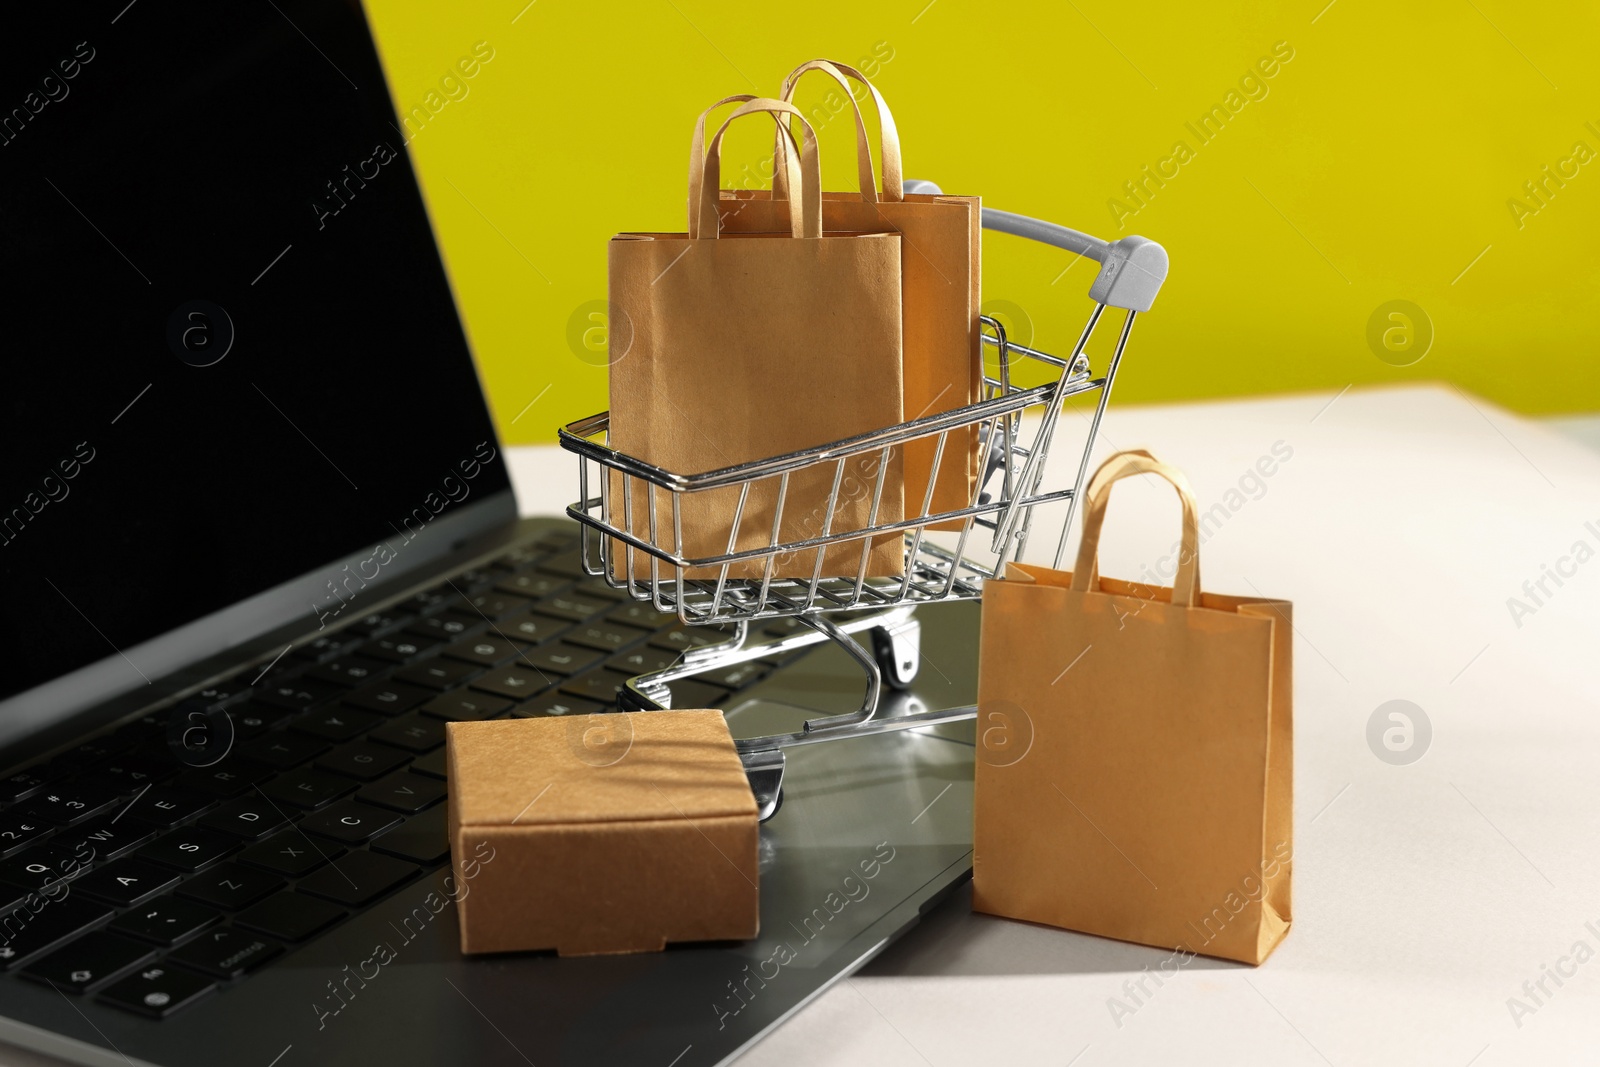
point(1131, 269)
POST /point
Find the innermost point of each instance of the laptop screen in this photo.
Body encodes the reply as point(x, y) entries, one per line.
point(232, 354)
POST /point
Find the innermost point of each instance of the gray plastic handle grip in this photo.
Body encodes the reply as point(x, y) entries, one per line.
point(1131, 269)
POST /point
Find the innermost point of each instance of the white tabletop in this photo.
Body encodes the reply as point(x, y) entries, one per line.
point(1425, 894)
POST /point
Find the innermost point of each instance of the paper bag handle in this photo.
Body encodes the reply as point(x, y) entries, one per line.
point(889, 134)
point(705, 173)
point(1086, 574)
point(697, 154)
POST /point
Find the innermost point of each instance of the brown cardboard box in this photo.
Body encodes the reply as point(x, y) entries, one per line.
point(601, 834)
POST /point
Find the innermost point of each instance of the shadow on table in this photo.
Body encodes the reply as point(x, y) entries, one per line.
point(951, 940)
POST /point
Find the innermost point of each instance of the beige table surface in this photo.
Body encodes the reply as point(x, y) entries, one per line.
point(1426, 894)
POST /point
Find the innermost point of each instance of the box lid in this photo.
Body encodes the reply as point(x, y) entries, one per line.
point(596, 768)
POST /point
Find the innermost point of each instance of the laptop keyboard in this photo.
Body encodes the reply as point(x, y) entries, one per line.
point(131, 876)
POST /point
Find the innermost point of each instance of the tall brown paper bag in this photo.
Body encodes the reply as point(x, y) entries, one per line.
point(753, 345)
point(1135, 750)
point(941, 254)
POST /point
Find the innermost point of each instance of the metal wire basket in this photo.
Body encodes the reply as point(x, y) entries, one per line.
point(948, 553)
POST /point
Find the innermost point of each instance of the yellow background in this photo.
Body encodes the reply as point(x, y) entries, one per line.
point(1378, 167)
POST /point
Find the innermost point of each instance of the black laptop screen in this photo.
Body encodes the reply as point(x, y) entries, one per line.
point(231, 352)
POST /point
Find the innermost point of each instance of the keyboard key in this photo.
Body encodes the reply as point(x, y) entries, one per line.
point(363, 761)
point(270, 672)
point(736, 676)
point(432, 765)
point(71, 802)
point(349, 822)
point(253, 720)
point(560, 659)
point(324, 647)
point(378, 622)
point(404, 792)
point(441, 627)
point(11, 896)
point(145, 727)
point(422, 839)
point(248, 818)
point(390, 698)
point(283, 750)
point(105, 838)
point(532, 585)
point(157, 991)
point(396, 650)
point(90, 960)
point(462, 612)
point(428, 599)
point(401, 649)
point(335, 724)
point(42, 922)
point(199, 733)
point(646, 660)
point(693, 693)
point(642, 614)
point(597, 587)
point(290, 916)
point(558, 540)
point(189, 849)
point(138, 768)
point(533, 629)
point(472, 578)
point(227, 779)
point(347, 671)
point(437, 674)
point(300, 695)
point(165, 806)
point(681, 638)
point(165, 920)
point(290, 854)
point(599, 687)
point(568, 562)
point(521, 557)
point(358, 878)
point(605, 636)
point(498, 605)
point(126, 882)
point(515, 682)
point(109, 745)
point(42, 866)
point(18, 831)
point(464, 707)
point(486, 650)
point(556, 704)
point(573, 606)
point(226, 953)
point(308, 789)
point(24, 784)
point(413, 733)
point(230, 886)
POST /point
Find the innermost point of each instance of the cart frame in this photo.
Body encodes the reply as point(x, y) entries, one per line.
point(1010, 486)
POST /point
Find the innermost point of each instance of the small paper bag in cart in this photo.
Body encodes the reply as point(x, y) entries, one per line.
point(753, 345)
point(1135, 750)
point(940, 263)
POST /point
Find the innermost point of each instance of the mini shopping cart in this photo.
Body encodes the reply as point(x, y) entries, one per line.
point(948, 554)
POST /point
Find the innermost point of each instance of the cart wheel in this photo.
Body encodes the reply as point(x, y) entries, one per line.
point(898, 650)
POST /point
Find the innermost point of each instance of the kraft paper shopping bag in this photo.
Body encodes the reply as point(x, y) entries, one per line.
point(1135, 750)
point(940, 251)
point(752, 345)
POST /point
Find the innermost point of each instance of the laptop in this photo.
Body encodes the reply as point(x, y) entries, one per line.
point(259, 544)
